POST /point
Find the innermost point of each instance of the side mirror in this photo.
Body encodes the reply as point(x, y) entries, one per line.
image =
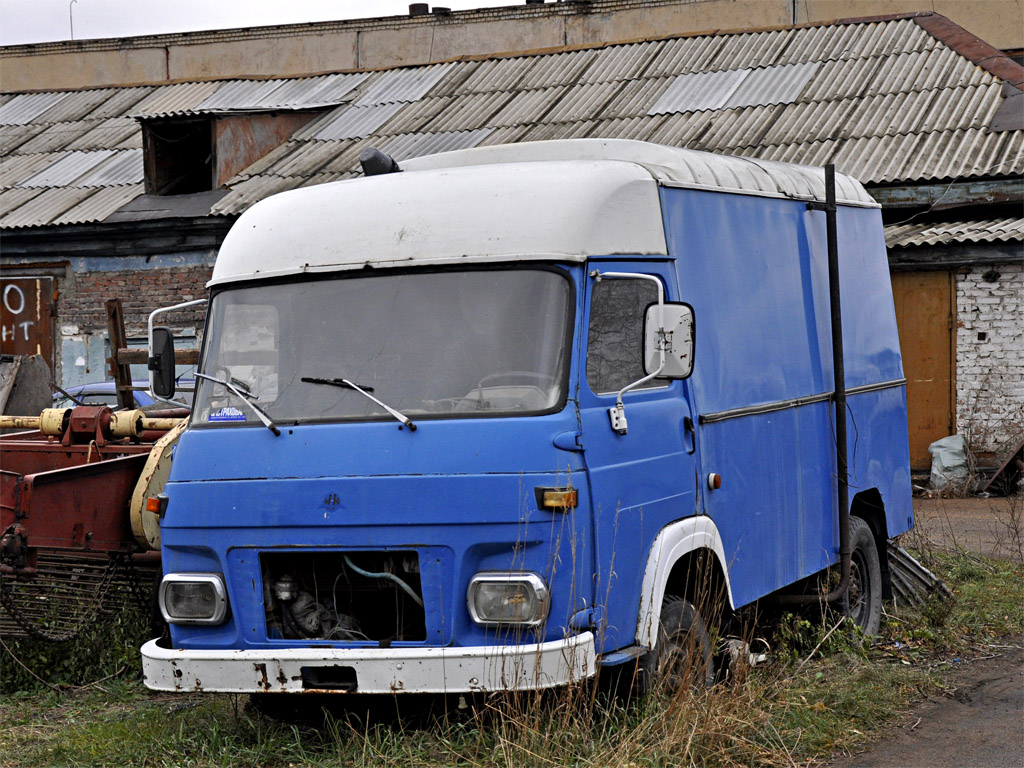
point(677, 339)
point(161, 362)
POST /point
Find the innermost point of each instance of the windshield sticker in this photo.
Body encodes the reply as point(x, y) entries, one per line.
point(227, 414)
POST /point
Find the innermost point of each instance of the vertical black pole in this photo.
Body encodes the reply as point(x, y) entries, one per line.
point(838, 371)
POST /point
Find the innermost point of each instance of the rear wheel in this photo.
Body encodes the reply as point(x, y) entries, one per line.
point(865, 595)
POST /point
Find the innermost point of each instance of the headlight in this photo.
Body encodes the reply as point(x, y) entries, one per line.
point(193, 598)
point(508, 598)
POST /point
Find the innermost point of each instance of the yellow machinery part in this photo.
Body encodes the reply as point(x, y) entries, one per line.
point(146, 524)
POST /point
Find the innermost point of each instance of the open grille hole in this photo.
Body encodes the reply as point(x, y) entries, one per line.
point(347, 597)
point(329, 678)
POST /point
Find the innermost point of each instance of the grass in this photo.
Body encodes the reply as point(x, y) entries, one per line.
point(823, 690)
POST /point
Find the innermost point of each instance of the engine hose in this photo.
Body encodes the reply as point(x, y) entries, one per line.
point(389, 576)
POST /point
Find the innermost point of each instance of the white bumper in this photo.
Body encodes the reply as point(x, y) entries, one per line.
point(376, 670)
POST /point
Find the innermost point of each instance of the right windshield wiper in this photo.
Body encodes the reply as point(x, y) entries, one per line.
point(245, 397)
point(365, 392)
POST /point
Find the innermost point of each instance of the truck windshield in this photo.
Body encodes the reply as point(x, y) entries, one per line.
point(430, 345)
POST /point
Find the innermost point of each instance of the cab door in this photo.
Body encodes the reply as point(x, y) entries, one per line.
point(642, 480)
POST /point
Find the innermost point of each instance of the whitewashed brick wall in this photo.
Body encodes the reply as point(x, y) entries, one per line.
point(990, 356)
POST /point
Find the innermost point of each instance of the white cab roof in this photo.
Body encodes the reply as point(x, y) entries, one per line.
point(538, 201)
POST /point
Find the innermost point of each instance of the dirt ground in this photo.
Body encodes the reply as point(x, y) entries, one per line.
point(993, 527)
point(980, 723)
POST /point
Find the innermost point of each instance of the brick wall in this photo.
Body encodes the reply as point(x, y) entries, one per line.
point(140, 291)
point(990, 355)
point(82, 346)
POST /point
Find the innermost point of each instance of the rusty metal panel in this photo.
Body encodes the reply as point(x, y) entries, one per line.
point(241, 140)
point(926, 317)
point(26, 316)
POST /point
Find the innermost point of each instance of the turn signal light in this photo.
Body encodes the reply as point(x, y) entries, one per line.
point(557, 498)
point(157, 505)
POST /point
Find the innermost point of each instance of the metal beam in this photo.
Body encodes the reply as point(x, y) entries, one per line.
point(953, 255)
point(950, 195)
point(129, 238)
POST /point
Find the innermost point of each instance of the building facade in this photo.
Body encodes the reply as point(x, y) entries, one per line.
point(127, 190)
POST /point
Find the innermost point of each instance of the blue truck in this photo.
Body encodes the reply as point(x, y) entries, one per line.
point(485, 420)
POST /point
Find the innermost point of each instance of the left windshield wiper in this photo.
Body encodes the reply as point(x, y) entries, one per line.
point(365, 392)
point(247, 398)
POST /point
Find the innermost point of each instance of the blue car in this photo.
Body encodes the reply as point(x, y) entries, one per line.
point(98, 393)
point(104, 393)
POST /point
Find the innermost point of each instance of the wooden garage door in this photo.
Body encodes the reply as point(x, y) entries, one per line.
point(926, 315)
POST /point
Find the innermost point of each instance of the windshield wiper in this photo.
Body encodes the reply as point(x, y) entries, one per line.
point(365, 392)
point(247, 398)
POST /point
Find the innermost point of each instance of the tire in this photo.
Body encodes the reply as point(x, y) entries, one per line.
point(865, 595)
point(682, 656)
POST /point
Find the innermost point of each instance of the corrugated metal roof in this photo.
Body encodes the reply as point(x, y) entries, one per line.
point(10, 199)
point(726, 89)
point(306, 92)
point(25, 107)
point(110, 132)
point(409, 145)
point(887, 101)
point(354, 122)
point(173, 99)
point(14, 169)
point(54, 137)
point(68, 168)
point(1007, 230)
point(13, 137)
point(698, 91)
point(44, 208)
point(121, 169)
point(74, 106)
point(100, 204)
point(236, 94)
point(402, 85)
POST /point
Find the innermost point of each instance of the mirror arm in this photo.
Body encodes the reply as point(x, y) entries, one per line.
point(617, 413)
point(149, 338)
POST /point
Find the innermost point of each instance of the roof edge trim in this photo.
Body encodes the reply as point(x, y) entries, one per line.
point(972, 47)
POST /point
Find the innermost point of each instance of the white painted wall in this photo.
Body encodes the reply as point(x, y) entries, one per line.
point(990, 356)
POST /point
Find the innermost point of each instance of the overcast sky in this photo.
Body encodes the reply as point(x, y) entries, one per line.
point(36, 21)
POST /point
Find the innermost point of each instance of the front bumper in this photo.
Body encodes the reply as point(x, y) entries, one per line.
point(376, 670)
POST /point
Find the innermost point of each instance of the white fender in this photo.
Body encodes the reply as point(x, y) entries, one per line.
point(674, 541)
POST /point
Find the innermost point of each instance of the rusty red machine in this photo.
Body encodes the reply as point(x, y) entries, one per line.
point(79, 509)
point(80, 505)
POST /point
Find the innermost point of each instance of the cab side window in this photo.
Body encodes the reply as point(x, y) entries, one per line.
point(615, 342)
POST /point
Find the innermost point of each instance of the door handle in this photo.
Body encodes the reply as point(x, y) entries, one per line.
point(690, 434)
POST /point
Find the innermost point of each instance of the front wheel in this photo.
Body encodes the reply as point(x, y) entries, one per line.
point(865, 595)
point(682, 657)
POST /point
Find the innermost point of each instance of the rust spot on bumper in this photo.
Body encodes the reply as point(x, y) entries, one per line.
point(264, 682)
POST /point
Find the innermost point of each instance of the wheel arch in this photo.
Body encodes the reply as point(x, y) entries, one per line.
point(869, 506)
point(686, 557)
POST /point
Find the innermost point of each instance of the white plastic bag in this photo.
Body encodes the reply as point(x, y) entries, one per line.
point(949, 463)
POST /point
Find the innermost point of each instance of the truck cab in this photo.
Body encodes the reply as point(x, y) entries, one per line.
point(466, 425)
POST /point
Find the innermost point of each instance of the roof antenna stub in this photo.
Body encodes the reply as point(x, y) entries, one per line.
point(375, 162)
